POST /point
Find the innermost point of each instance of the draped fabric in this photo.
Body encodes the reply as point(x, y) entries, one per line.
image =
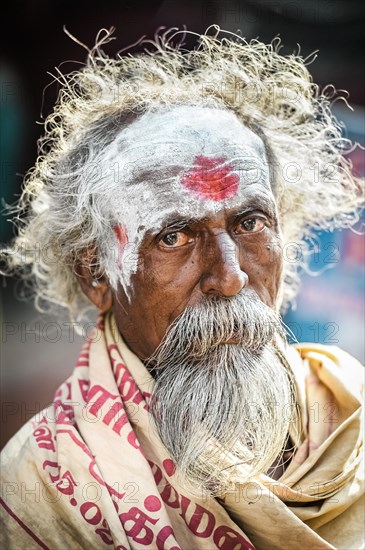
point(90, 472)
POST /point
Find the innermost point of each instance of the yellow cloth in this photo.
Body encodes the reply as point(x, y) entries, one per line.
point(90, 472)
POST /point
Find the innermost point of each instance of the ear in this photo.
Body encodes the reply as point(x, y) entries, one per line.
point(93, 283)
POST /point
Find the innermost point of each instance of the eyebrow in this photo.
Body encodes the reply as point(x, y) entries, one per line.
point(176, 220)
point(256, 203)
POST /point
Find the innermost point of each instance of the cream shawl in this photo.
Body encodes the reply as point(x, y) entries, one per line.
point(89, 472)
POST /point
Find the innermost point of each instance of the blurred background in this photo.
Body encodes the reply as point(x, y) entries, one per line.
point(39, 351)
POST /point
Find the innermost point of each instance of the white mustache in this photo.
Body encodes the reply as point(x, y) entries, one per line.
point(243, 318)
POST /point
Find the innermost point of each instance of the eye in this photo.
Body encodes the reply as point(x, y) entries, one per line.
point(250, 225)
point(175, 239)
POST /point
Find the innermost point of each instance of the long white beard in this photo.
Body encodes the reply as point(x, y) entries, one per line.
point(222, 410)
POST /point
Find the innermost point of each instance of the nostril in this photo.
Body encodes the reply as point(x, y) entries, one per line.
point(226, 285)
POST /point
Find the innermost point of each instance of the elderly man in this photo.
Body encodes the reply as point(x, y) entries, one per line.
point(165, 195)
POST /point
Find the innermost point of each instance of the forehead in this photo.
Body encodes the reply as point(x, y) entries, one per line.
point(190, 123)
point(175, 136)
point(191, 160)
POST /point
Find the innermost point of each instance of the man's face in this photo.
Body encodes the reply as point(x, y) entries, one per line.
point(202, 216)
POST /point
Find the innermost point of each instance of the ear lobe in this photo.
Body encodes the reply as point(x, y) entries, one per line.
point(94, 285)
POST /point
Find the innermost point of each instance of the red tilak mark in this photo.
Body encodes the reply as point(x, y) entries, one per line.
point(208, 179)
point(122, 236)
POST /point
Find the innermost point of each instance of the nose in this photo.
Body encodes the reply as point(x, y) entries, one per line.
point(222, 272)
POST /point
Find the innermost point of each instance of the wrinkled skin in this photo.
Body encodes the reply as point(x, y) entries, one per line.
point(233, 247)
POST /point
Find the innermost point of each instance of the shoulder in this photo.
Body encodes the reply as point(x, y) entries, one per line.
point(336, 354)
point(342, 373)
point(18, 441)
